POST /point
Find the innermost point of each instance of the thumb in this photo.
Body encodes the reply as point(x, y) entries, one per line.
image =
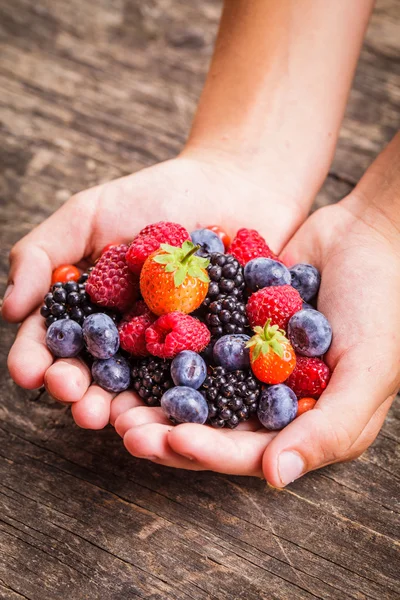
point(329, 433)
point(62, 238)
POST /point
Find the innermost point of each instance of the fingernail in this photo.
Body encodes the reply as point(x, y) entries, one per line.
point(290, 467)
point(8, 291)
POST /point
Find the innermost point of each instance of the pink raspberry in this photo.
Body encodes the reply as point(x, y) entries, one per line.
point(133, 327)
point(174, 332)
point(249, 244)
point(111, 283)
point(150, 239)
point(309, 378)
point(277, 303)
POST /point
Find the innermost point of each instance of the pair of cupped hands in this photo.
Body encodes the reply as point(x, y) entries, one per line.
point(354, 244)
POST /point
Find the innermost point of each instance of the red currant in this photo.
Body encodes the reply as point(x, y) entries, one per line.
point(65, 273)
point(305, 404)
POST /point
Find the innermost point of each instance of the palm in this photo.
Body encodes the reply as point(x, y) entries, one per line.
point(184, 190)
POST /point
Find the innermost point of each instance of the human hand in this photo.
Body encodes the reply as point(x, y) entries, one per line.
point(193, 190)
point(356, 246)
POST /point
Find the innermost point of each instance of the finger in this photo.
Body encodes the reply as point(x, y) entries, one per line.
point(29, 357)
point(140, 415)
point(68, 379)
point(150, 441)
point(65, 237)
point(93, 410)
point(326, 434)
point(122, 403)
point(225, 451)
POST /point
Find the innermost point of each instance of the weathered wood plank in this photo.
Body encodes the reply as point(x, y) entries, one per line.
point(90, 94)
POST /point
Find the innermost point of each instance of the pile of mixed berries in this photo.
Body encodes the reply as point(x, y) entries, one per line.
point(214, 331)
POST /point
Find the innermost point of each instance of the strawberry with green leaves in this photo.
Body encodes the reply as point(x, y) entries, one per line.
point(174, 279)
point(272, 358)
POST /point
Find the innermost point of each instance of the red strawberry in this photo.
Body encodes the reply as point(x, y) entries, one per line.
point(174, 332)
point(309, 378)
point(249, 244)
point(111, 283)
point(150, 239)
point(277, 303)
point(133, 327)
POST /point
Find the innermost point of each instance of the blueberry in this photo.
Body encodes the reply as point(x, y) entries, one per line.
point(310, 333)
point(64, 338)
point(208, 240)
point(306, 279)
point(188, 369)
point(112, 374)
point(265, 272)
point(307, 306)
point(231, 353)
point(184, 405)
point(100, 335)
point(277, 407)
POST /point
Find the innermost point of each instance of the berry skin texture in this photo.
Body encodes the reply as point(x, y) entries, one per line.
point(230, 352)
point(188, 369)
point(175, 332)
point(64, 338)
point(112, 374)
point(150, 239)
point(65, 273)
point(272, 358)
point(207, 240)
point(309, 378)
point(249, 244)
point(224, 237)
point(174, 279)
point(310, 333)
point(265, 272)
point(101, 336)
point(151, 377)
point(306, 279)
point(277, 303)
point(111, 283)
point(184, 405)
point(277, 407)
point(133, 327)
point(304, 405)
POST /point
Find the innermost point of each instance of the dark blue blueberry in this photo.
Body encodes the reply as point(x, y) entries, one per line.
point(112, 374)
point(310, 333)
point(265, 272)
point(306, 279)
point(189, 369)
point(277, 406)
point(184, 405)
point(64, 338)
point(208, 240)
point(231, 353)
point(307, 306)
point(100, 335)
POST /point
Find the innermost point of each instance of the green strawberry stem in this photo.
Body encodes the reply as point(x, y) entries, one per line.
point(189, 254)
point(266, 339)
point(183, 262)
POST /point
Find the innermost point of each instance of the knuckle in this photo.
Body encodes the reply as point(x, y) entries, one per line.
point(336, 441)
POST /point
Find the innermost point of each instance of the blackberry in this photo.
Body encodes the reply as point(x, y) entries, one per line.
point(226, 316)
point(226, 278)
point(151, 377)
point(232, 397)
point(70, 301)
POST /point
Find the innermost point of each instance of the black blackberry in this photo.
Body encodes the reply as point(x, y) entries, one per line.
point(226, 316)
point(151, 377)
point(70, 301)
point(232, 397)
point(226, 278)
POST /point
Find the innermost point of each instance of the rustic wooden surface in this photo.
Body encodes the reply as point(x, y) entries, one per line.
point(91, 91)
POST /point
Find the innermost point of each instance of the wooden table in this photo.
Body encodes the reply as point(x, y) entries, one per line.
point(91, 91)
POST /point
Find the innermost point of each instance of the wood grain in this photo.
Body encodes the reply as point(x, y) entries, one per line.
point(90, 92)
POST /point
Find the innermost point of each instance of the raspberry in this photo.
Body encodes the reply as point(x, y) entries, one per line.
point(174, 332)
point(133, 327)
point(149, 240)
point(111, 283)
point(277, 303)
point(249, 244)
point(309, 378)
